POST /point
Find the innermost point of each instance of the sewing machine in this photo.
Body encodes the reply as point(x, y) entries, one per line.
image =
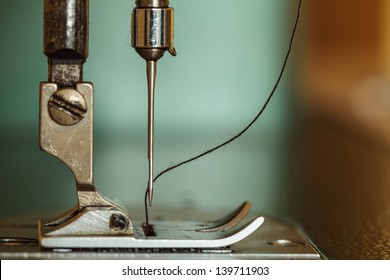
point(100, 227)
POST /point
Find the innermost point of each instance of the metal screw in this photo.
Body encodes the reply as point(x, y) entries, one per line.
point(119, 222)
point(67, 106)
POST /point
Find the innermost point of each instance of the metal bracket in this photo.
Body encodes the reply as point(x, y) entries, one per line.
point(66, 132)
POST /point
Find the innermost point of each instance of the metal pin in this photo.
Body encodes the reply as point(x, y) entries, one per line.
point(151, 76)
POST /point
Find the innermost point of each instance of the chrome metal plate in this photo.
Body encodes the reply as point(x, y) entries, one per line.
point(169, 234)
point(275, 239)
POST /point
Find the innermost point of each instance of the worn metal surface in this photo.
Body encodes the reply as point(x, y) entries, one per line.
point(90, 228)
point(69, 138)
point(65, 74)
point(87, 222)
point(66, 39)
point(274, 240)
point(67, 106)
point(71, 144)
point(66, 30)
point(169, 234)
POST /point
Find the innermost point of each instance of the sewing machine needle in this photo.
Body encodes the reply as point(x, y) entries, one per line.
point(151, 77)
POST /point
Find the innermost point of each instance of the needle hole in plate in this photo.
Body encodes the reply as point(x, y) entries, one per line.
point(148, 230)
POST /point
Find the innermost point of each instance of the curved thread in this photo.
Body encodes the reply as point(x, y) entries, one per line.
point(265, 105)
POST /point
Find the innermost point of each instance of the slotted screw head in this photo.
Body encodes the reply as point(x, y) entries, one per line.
point(67, 106)
point(119, 222)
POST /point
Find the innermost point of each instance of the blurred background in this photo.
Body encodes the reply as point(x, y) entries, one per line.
point(318, 157)
point(341, 161)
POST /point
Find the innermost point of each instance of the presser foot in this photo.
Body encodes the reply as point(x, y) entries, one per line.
point(94, 215)
point(162, 234)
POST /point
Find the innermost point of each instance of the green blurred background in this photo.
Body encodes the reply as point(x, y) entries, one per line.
point(229, 56)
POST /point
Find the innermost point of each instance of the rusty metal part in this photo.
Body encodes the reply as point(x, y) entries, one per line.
point(66, 39)
point(65, 75)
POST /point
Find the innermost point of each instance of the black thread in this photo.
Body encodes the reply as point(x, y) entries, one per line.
point(238, 135)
